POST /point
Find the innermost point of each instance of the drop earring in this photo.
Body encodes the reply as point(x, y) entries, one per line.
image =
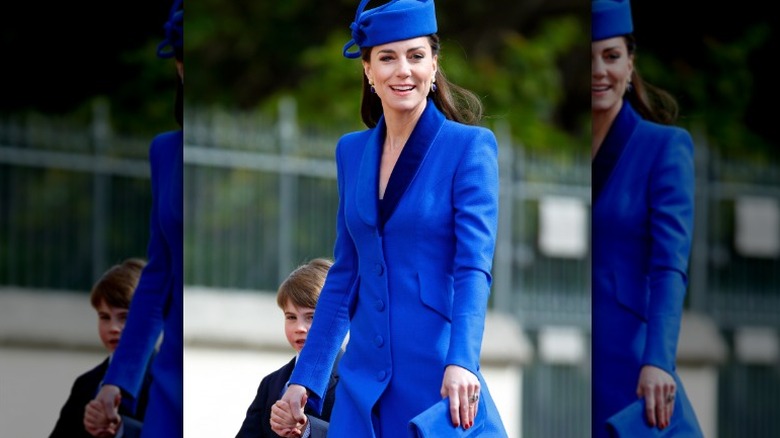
point(371, 84)
point(433, 86)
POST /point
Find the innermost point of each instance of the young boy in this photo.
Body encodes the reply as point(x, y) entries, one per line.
point(297, 297)
point(110, 297)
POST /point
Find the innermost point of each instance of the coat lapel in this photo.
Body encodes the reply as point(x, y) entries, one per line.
point(412, 158)
point(419, 144)
point(615, 143)
point(367, 190)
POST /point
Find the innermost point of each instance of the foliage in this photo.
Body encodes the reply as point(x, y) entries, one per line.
point(520, 84)
point(61, 56)
point(716, 97)
point(249, 55)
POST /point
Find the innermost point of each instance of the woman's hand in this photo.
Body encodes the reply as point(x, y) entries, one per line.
point(96, 422)
point(101, 415)
point(287, 417)
point(462, 387)
point(658, 388)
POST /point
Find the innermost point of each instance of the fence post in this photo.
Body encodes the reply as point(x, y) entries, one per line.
point(502, 294)
point(698, 267)
point(288, 184)
point(101, 133)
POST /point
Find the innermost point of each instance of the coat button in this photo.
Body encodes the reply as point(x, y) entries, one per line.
point(381, 375)
point(380, 305)
point(379, 341)
point(379, 269)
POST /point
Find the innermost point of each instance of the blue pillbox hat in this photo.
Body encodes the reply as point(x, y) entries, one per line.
point(394, 21)
point(610, 18)
point(174, 31)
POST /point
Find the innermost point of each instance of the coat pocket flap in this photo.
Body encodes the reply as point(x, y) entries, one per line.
point(436, 292)
point(633, 292)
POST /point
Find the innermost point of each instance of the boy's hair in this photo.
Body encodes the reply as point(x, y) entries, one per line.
point(302, 287)
point(117, 285)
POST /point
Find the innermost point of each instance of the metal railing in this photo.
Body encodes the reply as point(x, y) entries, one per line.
point(261, 197)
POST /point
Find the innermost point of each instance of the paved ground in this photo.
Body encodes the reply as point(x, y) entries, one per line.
point(232, 341)
point(219, 386)
point(34, 384)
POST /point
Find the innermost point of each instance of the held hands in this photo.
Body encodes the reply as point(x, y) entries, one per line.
point(287, 417)
point(658, 388)
point(101, 415)
point(462, 387)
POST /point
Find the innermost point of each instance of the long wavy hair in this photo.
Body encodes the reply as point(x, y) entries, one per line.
point(651, 102)
point(457, 103)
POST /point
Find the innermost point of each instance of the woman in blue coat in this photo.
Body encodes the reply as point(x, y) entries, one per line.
point(643, 194)
point(416, 231)
point(157, 307)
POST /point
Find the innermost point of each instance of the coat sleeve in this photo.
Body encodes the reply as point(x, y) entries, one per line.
point(331, 316)
point(475, 201)
point(671, 227)
point(319, 427)
point(145, 319)
point(132, 427)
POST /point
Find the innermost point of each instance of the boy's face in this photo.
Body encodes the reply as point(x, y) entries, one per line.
point(111, 322)
point(297, 321)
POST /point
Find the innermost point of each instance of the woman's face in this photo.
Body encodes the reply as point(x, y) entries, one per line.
point(402, 73)
point(611, 68)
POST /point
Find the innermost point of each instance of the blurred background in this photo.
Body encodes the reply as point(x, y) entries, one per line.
point(82, 93)
point(268, 94)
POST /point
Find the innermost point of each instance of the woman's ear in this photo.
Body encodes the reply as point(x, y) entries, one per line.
point(180, 69)
point(367, 71)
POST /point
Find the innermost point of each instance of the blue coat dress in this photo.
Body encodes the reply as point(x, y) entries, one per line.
point(157, 305)
point(410, 284)
point(643, 183)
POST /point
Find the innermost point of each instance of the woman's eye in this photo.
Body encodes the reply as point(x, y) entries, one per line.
point(386, 58)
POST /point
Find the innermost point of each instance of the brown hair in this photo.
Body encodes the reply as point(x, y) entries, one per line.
point(302, 287)
point(117, 285)
point(651, 102)
point(457, 103)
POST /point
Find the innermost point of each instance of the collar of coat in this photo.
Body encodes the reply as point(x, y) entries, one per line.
point(423, 138)
point(615, 143)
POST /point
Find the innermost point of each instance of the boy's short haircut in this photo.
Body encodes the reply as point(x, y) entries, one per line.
point(117, 285)
point(302, 287)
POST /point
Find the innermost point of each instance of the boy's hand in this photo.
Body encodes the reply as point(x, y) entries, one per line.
point(287, 417)
point(96, 422)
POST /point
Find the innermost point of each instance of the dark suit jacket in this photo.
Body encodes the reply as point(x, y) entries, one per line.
point(71, 421)
point(257, 422)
